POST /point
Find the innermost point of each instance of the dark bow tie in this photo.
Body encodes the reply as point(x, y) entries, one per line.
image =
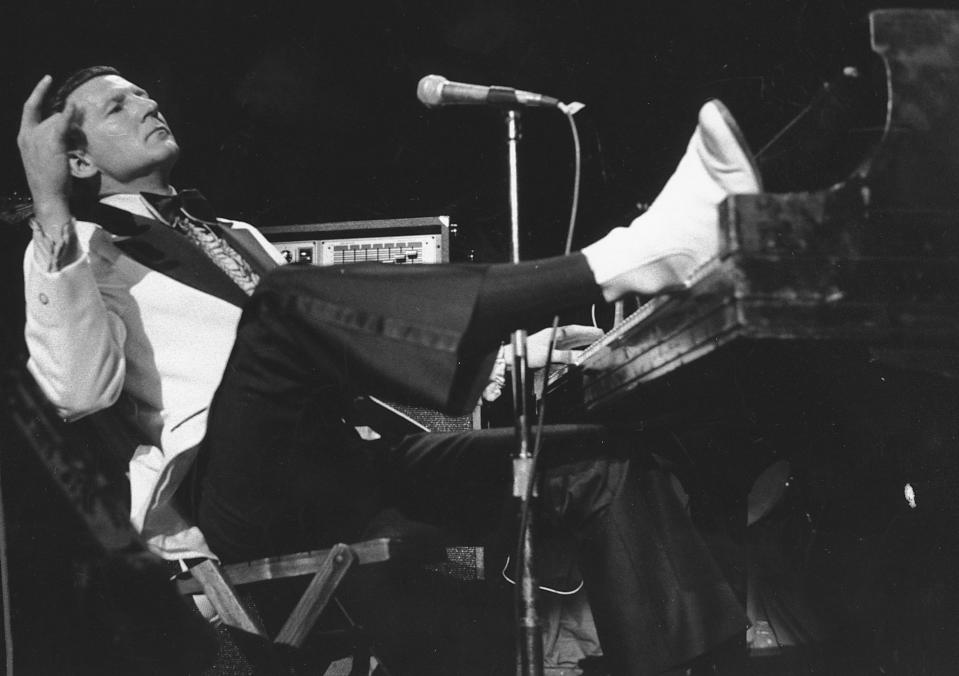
point(190, 201)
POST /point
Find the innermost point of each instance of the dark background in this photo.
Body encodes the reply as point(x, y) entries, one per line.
point(306, 112)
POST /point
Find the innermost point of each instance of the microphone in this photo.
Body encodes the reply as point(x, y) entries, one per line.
point(436, 90)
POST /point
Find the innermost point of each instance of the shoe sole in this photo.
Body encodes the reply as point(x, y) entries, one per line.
point(737, 134)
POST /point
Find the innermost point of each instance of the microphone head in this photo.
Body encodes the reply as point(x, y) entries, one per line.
point(430, 90)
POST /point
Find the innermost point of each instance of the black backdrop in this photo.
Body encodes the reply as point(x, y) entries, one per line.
point(305, 112)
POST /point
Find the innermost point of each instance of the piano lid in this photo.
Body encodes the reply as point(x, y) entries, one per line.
point(916, 165)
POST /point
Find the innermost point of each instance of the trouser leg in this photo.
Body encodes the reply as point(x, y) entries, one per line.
point(280, 469)
point(310, 338)
point(415, 333)
point(657, 595)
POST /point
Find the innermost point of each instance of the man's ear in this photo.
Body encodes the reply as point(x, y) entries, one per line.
point(81, 166)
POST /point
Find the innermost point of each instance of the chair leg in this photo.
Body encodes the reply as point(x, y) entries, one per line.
point(361, 662)
point(317, 596)
point(363, 650)
point(224, 599)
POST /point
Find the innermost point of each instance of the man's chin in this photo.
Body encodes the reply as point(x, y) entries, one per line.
point(167, 139)
point(171, 151)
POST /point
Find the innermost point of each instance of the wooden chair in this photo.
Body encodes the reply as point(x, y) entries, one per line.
point(94, 483)
point(328, 568)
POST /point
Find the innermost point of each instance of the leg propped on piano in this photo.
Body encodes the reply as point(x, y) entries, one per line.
point(662, 247)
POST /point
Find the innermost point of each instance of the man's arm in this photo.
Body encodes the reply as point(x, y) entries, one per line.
point(45, 155)
point(75, 342)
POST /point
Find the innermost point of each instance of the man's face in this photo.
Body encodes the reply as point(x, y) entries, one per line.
point(127, 137)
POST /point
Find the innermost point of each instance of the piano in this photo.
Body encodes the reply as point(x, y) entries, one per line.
point(810, 371)
point(868, 266)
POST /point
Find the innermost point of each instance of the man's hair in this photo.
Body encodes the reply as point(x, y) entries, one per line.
point(57, 100)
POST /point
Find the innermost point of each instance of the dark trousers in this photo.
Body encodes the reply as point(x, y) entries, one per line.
point(281, 470)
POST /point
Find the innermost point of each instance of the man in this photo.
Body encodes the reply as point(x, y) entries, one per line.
point(239, 377)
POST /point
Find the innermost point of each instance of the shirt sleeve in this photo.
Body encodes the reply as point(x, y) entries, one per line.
point(56, 250)
point(74, 337)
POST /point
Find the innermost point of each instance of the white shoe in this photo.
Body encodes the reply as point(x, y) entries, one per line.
point(677, 234)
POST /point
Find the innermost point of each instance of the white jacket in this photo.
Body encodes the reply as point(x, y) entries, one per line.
point(108, 324)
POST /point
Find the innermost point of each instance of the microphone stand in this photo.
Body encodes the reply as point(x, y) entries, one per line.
point(529, 644)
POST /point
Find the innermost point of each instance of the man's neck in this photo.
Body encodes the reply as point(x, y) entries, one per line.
point(153, 184)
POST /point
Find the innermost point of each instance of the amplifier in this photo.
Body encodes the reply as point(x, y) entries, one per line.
point(394, 241)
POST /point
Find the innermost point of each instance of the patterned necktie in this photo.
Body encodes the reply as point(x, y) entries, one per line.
point(188, 212)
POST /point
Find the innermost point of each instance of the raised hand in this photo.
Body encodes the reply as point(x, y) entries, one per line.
point(44, 153)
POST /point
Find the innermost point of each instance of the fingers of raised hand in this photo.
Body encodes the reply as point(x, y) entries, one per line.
point(49, 136)
point(36, 131)
point(32, 114)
